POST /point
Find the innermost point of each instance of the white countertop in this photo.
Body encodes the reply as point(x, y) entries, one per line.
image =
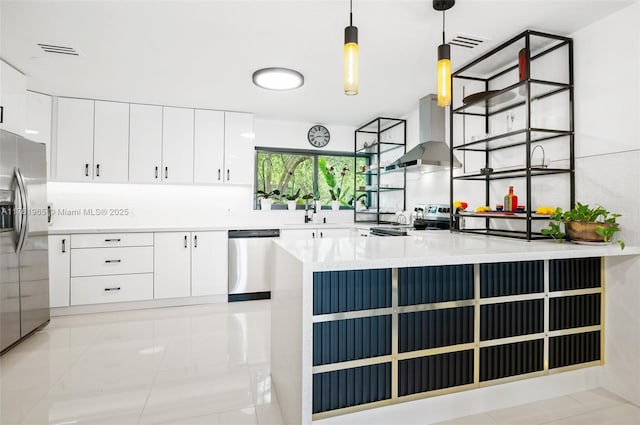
point(434, 248)
point(74, 231)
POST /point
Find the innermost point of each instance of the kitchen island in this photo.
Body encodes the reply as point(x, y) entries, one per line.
point(362, 323)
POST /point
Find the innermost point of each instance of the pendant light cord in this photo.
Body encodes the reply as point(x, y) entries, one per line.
point(350, 12)
point(443, 38)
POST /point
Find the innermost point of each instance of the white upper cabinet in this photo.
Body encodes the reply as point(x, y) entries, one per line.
point(38, 127)
point(13, 90)
point(177, 145)
point(145, 143)
point(74, 143)
point(239, 147)
point(111, 142)
point(208, 155)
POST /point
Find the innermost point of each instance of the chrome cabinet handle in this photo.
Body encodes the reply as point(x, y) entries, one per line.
point(166, 172)
point(321, 235)
point(112, 240)
point(1, 114)
point(86, 170)
point(97, 170)
point(115, 288)
point(195, 241)
point(64, 245)
point(228, 175)
point(112, 261)
point(219, 174)
point(313, 234)
point(185, 241)
point(156, 171)
point(49, 214)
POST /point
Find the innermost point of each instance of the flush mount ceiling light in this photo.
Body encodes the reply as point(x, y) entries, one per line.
point(278, 79)
point(444, 58)
point(351, 56)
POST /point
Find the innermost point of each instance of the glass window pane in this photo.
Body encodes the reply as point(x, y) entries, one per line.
point(289, 174)
point(336, 179)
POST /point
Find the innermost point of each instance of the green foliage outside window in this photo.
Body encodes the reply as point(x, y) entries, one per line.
point(296, 174)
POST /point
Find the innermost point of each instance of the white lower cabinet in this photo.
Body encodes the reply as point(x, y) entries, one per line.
point(111, 289)
point(59, 270)
point(108, 261)
point(209, 268)
point(316, 233)
point(172, 265)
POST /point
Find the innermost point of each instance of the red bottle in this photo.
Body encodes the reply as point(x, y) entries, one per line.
point(511, 201)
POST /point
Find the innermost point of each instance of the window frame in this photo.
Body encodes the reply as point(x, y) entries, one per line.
point(315, 154)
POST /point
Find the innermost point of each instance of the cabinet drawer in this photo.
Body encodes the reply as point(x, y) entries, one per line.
point(111, 289)
point(108, 261)
point(105, 240)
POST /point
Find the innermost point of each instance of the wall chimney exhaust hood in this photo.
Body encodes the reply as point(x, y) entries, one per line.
point(432, 153)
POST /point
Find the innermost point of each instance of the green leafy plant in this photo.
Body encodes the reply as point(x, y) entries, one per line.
point(337, 191)
point(292, 196)
point(362, 198)
point(274, 194)
point(583, 213)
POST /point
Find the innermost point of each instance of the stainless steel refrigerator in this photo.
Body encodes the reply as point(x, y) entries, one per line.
point(24, 262)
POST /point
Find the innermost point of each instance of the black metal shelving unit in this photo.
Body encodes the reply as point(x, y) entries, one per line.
point(382, 140)
point(506, 73)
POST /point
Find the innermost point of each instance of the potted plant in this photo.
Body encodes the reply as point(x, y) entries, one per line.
point(266, 198)
point(584, 224)
point(359, 202)
point(291, 200)
point(336, 188)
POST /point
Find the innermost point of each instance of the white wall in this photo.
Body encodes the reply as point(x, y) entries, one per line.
point(190, 205)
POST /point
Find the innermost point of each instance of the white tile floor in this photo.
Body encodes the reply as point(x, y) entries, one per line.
point(205, 364)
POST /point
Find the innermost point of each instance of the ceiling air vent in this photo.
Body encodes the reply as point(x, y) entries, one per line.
point(468, 41)
point(60, 50)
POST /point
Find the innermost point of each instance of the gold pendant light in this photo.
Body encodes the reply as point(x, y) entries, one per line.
point(444, 58)
point(351, 56)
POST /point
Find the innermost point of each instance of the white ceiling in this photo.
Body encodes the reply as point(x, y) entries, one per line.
point(202, 53)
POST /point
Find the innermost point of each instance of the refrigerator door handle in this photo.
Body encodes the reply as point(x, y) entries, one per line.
point(24, 222)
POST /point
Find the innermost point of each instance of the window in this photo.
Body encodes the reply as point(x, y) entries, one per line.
point(294, 174)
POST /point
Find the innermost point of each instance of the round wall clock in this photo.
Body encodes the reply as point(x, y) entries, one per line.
point(318, 136)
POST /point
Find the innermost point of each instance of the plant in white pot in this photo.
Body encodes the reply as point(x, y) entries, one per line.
point(360, 202)
point(336, 188)
point(266, 198)
point(292, 199)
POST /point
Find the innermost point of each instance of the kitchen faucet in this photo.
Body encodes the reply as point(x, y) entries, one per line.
point(307, 218)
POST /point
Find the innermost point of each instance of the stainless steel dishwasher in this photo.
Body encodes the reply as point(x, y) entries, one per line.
point(250, 263)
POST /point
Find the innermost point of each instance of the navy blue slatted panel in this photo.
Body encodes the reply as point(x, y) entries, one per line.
point(351, 339)
point(351, 290)
point(434, 284)
point(574, 312)
point(574, 273)
point(573, 349)
point(435, 328)
point(351, 387)
point(435, 372)
point(511, 319)
point(502, 361)
point(502, 279)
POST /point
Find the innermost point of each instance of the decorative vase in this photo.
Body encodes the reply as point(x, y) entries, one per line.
point(265, 204)
point(318, 205)
point(584, 231)
point(335, 205)
point(291, 205)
